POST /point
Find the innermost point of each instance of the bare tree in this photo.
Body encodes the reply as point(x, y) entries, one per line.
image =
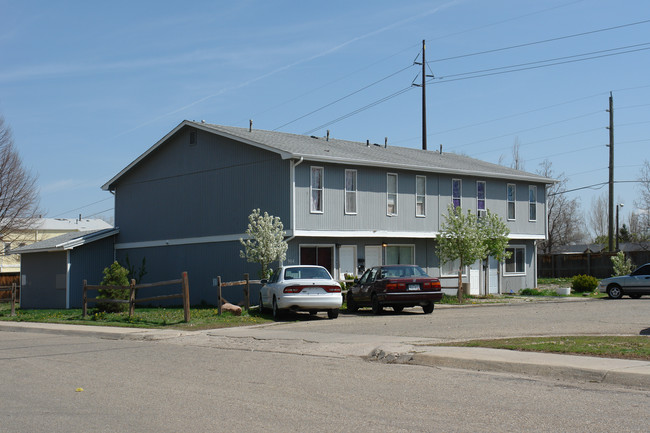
point(599, 218)
point(564, 219)
point(643, 203)
point(18, 192)
point(517, 162)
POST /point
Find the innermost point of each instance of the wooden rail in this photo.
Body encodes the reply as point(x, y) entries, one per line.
point(13, 299)
point(185, 295)
point(246, 282)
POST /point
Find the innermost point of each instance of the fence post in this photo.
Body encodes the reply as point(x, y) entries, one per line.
point(84, 301)
point(13, 299)
point(247, 298)
point(132, 299)
point(186, 297)
point(219, 295)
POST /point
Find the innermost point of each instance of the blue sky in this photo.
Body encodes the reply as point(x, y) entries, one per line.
point(88, 86)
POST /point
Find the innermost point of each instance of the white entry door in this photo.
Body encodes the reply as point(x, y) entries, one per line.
point(474, 281)
point(373, 256)
point(347, 260)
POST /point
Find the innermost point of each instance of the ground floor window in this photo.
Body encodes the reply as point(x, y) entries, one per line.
point(517, 261)
point(400, 255)
point(450, 269)
point(316, 255)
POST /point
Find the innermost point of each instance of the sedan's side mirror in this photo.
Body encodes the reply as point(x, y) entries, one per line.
point(264, 281)
point(356, 281)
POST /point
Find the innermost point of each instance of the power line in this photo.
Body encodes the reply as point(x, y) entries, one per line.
point(526, 66)
point(537, 42)
point(82, 207)
point(344, 97)
point(599, 185)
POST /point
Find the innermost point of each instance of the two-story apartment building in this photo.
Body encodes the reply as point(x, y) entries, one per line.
point(184, 204)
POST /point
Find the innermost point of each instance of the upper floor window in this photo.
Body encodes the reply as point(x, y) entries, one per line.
point(480, 198)
point(316, 189)
point(391, 194)
point(511, 194)
point(420, 196)
point(532, 203)
point(351, 192)
point(516, 263)
point(456, 191)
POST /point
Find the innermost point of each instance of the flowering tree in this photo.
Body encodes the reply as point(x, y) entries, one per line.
point(265, 243)
point(460, 238)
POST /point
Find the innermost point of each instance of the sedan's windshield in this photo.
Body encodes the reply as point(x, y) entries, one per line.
point(306, 273)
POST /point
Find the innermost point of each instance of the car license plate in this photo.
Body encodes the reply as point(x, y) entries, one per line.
point(414, 287)
point(311, 290)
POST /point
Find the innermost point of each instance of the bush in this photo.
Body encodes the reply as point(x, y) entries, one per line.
point(584, 283)
point(537, 292)
point(114, 275)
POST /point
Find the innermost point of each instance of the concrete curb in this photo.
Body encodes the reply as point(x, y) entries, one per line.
point(107, 332)
point(624, 372)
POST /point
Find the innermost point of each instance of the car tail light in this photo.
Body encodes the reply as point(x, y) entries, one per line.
point(435, 284)
point(396, 286)
point(293, 289)
point(332, 289)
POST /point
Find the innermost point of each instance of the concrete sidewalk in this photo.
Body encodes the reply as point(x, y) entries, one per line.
point(415, 351)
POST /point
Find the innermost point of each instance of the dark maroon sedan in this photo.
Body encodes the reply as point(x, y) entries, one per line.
point(395, 286)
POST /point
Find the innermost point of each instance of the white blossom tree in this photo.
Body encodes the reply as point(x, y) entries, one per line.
point(460, 238)
point(265, 243)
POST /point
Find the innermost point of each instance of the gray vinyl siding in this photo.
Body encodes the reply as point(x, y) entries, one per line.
point(207, 189)
point(202, 262)
point(514, 283)
point(371, 200)
point(87, 262)
point(44, 274)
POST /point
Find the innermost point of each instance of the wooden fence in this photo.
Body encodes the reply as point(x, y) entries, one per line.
point(246, 282)
point(13, 299)
point(185, 295)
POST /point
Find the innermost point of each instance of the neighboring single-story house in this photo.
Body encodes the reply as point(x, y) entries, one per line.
point(53, 270)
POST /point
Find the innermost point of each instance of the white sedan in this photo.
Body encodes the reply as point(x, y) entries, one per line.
point(301, 288)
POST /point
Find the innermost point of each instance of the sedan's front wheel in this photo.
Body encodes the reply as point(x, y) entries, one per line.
point(614, 291)
point(376, 306)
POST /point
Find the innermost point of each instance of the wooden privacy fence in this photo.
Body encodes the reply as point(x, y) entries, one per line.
point(246, 282)
point(13, 299)
point(185, 295)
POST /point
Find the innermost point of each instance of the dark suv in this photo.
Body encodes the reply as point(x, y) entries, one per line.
point(396, 286)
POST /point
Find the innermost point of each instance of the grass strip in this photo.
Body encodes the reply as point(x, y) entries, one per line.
point(624, 347)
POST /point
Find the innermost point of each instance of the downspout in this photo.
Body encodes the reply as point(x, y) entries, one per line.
point(293, 198)
point(67, 280)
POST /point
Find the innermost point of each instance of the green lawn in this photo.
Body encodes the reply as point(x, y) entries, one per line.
point(632, 347)
point(201, 318)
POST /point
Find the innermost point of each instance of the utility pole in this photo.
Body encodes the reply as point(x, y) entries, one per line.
point(611, 172)
point(424, 96)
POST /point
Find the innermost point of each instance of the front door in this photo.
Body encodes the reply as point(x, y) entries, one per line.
point(317, 255)
point(347, 261)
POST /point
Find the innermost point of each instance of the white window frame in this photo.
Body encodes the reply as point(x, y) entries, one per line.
point(389, 194)
point(478, 199)
point(353, 192)
point(312, 190)
point(532, 204)
point(422, 197)
point(514, 249)
point(513, 201)
point(460, 193)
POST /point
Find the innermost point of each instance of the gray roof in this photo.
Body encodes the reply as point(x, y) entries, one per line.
point(320, 149)
point(66, 241)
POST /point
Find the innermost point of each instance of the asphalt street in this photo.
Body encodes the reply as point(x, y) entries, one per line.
point(376, 373)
